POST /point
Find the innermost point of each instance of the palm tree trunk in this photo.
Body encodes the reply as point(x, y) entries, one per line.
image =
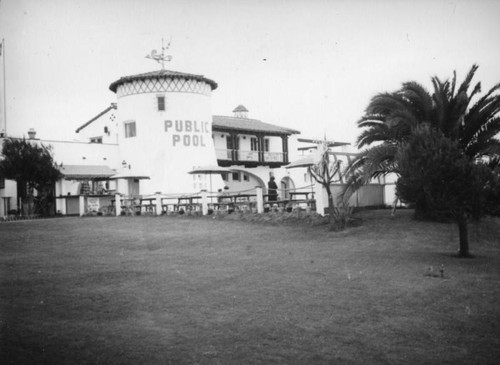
point(463, 236)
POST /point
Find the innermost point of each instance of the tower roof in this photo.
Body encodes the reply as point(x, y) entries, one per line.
point(161, 74)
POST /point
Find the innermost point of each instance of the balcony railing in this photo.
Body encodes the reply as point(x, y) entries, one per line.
point(253, 156)
point(248, 155)
point(273, 157)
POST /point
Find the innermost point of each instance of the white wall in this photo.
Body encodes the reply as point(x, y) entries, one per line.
point(81, 153)
point(220, 140)
point(10, 190)
point(257, 176)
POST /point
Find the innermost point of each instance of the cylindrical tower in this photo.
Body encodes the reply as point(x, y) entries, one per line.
point(165, 128)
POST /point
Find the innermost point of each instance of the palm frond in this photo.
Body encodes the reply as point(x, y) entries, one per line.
point(371, 120)
point(373, 135)
point(453, 83)
point(486, 97)
point(476, 90)
point(383, 104)
point(490, 148)
point(371, 163)
point(464, 86)
point(480, 114)
point(441, 102)
point(419, 98)
point(486, 132)
point(401, 123)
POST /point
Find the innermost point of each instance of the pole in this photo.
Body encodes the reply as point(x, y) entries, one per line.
point(260, 199)
point(2, 49)
point(204, 202)
point(211, 195)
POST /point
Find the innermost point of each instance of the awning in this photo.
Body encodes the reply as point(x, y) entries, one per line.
point(130, 175)
point(303, 162)
point(87, 172)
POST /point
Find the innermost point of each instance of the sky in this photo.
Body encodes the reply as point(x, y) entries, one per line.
point(310, 65)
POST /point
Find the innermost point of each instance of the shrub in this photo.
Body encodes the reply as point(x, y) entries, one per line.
point(342, 215)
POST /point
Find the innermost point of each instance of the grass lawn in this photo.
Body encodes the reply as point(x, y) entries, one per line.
point(172, 290)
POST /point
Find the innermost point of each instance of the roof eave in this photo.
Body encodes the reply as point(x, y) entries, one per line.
point(217, 128)
point(112, 106)
point(114, 85)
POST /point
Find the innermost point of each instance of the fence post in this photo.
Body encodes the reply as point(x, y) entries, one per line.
point(319, 195)
point(81, 205)
point(118, 204)
point(158, 207)
point(62, 205)
point(61, 202)
point(260, 199)
point(204, 202)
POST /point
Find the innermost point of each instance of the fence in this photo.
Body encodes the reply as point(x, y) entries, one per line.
point(311, 197)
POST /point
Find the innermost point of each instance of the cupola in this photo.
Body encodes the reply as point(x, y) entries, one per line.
point(240, 112)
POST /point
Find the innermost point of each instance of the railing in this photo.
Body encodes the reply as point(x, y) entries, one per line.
point(240, 155)
point(273, 156)
point(248, 155)
point(181, 203)
point(197, 203)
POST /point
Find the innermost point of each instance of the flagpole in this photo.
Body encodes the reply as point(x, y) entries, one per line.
point(4, 90)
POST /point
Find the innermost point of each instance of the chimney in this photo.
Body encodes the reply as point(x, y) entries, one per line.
point(240, 112)
point(31, 133)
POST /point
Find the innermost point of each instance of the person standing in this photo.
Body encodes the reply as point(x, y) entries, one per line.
point(272, 190)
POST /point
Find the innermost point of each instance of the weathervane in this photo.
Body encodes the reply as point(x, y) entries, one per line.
point(161, 58)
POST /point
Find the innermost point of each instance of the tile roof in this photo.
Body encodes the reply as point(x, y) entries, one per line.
point(159, 74)
point(221, 123)
point(87, 172)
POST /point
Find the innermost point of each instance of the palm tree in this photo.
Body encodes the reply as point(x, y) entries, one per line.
point(391, 118)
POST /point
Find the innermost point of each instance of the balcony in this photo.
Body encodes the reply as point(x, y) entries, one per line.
point(227, 157)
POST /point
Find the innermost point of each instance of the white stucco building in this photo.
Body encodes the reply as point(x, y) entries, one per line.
point(160, 128)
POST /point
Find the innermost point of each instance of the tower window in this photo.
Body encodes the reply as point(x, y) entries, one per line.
point(130, 130)
point(161, 103)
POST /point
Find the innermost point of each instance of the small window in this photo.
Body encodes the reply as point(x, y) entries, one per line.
point(161, 103)
point(266, 145)
point(224, 176)
point(246, 177)
point(2, 182)
point(130, 130)
point(236, 176)
point(96, 140)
